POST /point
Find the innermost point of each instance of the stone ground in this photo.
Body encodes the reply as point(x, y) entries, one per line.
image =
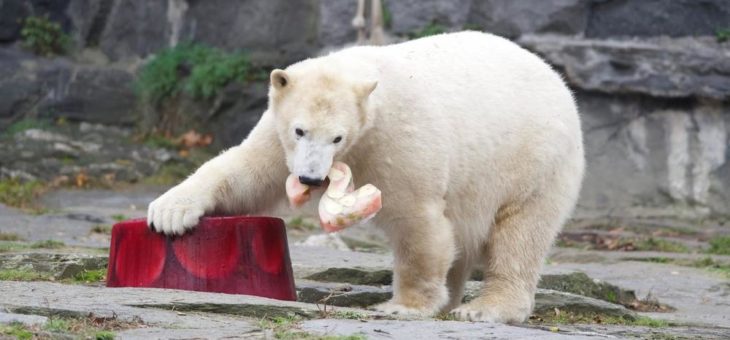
point(676, 295)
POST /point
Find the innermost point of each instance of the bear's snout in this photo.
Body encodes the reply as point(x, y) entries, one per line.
point(311, 181)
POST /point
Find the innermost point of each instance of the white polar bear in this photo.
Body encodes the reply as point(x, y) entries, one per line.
point(475, 143)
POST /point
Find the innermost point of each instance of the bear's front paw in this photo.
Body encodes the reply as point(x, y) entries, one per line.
point(476, 311)
point(177, 211)
point(400, 310)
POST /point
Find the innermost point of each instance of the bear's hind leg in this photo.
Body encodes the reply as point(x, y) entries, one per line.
point(455, 281)
point(515, 250)
point(423, 250)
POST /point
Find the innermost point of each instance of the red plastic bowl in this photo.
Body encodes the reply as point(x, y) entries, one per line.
point(236, 255)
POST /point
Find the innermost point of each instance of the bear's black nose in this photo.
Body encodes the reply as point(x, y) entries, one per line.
point(310, 181)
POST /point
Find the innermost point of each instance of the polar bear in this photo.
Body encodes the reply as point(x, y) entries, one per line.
point(475, 143)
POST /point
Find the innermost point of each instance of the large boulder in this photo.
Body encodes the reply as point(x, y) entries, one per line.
point(658, 67)
point(650, 157)
point(514, 18)
point(135, 28)
point(275, 32)
point(657, 17)
point(413, 15)
point(58, 87)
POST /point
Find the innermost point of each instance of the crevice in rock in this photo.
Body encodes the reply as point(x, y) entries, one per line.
point(99, 23)
point(247, 310)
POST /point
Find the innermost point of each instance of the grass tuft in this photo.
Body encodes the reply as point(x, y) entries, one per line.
point(48, 244)
point(16, 330)
point(722, 35)
point(19, 194)
point(720, 245)
point(91, 276)
point(21, 275)
point(197, 70)
point(10, 237)
point(429, 30)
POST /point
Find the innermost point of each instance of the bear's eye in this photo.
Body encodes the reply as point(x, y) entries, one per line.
point(299, 132)
point(337, 139)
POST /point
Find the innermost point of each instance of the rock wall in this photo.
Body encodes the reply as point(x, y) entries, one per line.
point(650, 77)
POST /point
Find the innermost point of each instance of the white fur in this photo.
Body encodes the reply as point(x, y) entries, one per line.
point(474, 142)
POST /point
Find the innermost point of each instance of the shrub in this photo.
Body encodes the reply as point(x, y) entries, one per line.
point(197, 70)
point(44, 37)
point(431, 29)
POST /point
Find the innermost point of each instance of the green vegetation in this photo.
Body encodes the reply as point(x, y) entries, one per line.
point(119, 217)
point(21, 275)
point(625, 244)
point(9, 237)
point(654, 244)
point(706, 263)
point(8, 246)
point(104, 335)
point(175, 171)
point(563, 317)
point(431, 29)
point(44, 37)
point(17, 330)
point(387, 15)
point(26, 124)
point(48, 244)
point(90, 276)
point(160, 142)
point(299, 223)
point(350, 315)
point(19, 194)
point(286, 328)
point(101, 229)
point(91, 327)
point(720, 245)
point(722, 35)
point(197, 70)
point(12, 246)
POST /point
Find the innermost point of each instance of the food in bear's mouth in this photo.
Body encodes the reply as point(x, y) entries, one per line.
point(341, 205)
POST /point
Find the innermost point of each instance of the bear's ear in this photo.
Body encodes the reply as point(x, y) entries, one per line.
point(364, 89)
point(279, 79)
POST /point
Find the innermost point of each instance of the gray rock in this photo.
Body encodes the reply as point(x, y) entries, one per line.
point(690, 290)
point(57, 266)
point(659, 67)
point(275, 32)
point(514, 18)
point(28, 320)
point(652, 158)
point(135, 28)
point(38, 87)
point(354, 276)
point(413, 15)
point(11, 12)
point(333, 294)
point(95, 95)
point(309, 260)
point(104, 154)
point(335, 22)
point(657, 17)
point(546, 301)
point(581, 284)
point(398, 329)
point(229, 116)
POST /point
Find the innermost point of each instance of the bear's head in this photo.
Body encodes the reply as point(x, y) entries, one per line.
point(318, 116)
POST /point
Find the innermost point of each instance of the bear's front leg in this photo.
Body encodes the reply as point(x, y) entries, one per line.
point(245, 179)
point(423, 250)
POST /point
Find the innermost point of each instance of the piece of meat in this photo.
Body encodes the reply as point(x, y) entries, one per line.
point(340, 206)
